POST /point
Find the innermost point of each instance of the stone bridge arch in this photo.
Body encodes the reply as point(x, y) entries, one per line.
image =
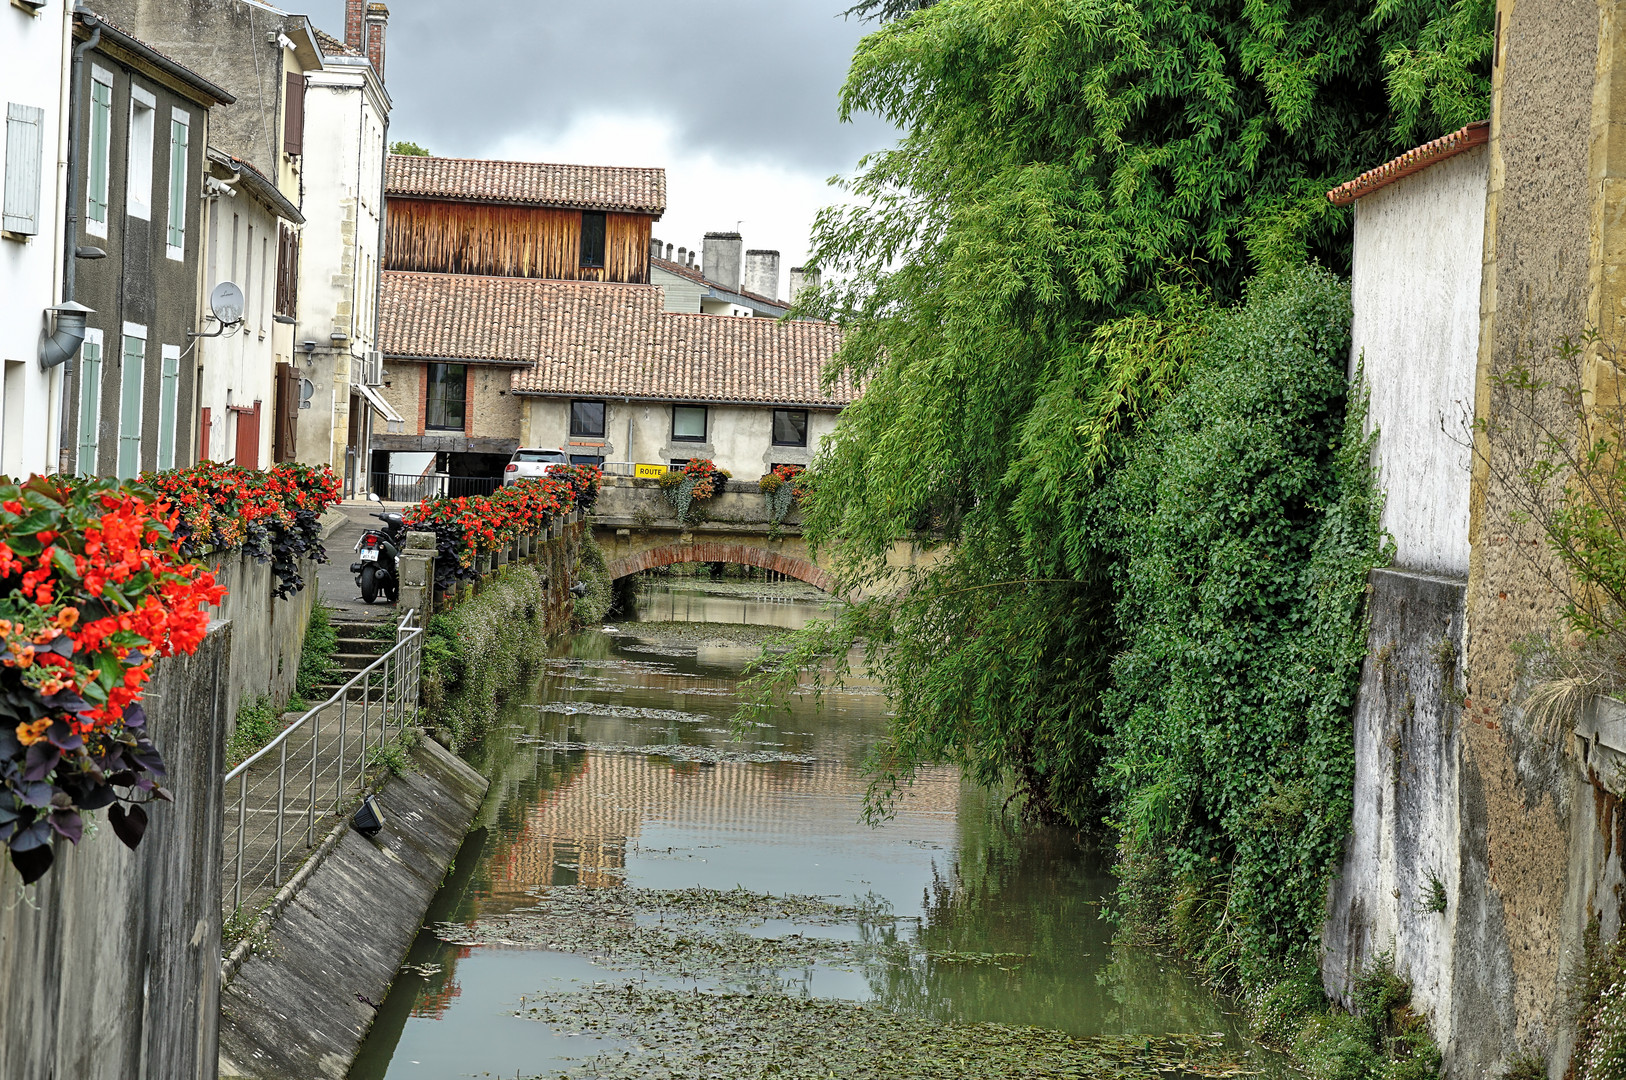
point(710, 551)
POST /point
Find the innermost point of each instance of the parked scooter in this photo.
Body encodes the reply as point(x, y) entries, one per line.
point(376, 569)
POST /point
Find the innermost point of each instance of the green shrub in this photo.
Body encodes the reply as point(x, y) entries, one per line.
point(1382, 1039)
point(1600, 1007)
point(480, 651)
point(257, 724)
point(591, 609)
point(316, 656)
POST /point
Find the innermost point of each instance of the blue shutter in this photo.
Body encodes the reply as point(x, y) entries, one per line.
point(168, 392)
point(101, 133)
point(25, 140)
point(130, 380)
point(90, 403)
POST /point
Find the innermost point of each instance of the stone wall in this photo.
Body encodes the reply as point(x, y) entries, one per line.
point(112, 961)
point(267, 634)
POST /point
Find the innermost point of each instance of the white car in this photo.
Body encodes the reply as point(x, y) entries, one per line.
point(532, 462)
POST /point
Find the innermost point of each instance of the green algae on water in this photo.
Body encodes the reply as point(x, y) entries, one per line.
point(689, 1035)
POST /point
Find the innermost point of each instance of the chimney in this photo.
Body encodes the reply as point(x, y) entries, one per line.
point(683, 255)
point(692, 266)
point(762, 273)
point(355, 30)
point(668, 252)
point(655, 248)
point(378, 16)
point(802, 277)
point(722, 261)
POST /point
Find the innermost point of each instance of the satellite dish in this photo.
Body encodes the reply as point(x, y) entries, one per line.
point(226, 302)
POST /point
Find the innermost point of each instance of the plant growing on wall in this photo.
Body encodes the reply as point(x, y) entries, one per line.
point(780, 490)
point(688, 489)
point(468, 527)
point(93, 591)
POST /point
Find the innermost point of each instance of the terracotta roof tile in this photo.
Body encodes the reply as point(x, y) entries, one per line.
point(332, 46)
point(528, 183)
point(587, 339)
point(1414, 160)
point(696, 276)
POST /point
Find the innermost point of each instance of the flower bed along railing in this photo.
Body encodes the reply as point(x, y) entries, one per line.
point(94, 588)
point(469, 527)
point(272, 515)
point(780, 489)
point(688, 489)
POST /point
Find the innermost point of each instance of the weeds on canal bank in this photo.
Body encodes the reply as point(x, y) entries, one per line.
point(1599, 1002)
point(258, 722)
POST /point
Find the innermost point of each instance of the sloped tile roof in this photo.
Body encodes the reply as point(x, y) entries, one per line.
point(701, 279)
point(1414, 160)
point(332, 46)
point(587, 339)
point(527, 183)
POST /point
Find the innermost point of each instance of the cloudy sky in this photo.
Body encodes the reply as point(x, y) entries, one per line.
point(736, 99)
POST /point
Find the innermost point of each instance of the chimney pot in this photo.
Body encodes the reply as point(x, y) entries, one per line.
point(762, 273)
point(654, 248)
point(378, 17)
point(668, 252)
point(802, 277)
point(722, 260)
point(683, 256)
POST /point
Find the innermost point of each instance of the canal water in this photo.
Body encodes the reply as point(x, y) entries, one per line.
point(629, 846)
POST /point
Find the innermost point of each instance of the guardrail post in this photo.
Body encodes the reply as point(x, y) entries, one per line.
point(316, 748)
point(242, 830)
point(282, 794)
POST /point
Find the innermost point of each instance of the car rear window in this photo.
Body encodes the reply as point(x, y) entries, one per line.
point(555, 456)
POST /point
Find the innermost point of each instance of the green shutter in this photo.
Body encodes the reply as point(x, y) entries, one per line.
point(178, 133)
point(130, 376)
point(90, 404)
point(101, 130)
point(168, 391)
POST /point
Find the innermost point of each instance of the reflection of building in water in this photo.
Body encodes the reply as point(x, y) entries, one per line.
point(580, 833)
point(433, 1000)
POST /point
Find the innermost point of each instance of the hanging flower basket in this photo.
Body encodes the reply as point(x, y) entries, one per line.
point(780, 490)
point(688, 489)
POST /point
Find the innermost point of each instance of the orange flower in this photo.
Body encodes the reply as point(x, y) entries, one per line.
point(67, 618)
point(29, 734)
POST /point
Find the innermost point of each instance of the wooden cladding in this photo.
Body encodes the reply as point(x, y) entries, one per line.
point(512, 241)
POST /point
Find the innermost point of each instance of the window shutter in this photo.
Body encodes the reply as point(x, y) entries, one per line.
point(101, 132)
point(179, 138)
point(293, 125)
point(130, 379)
point(248, 437)
point(24, 144)
point(168, 394)
point(90, 403)
point(287, 272)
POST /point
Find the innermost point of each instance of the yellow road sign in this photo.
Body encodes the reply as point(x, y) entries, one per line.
point(653, 472)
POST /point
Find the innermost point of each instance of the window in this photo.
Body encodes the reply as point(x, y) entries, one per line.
point(101, 134)
point(179, 136)
point(587, 419)
point(592, 238)
point(790, 427)
point(586, 459)
point(443, 409)
point(90, 400)
point(138, 173)
point(25, 125)
point(131, 372)
point(248, 277)
point(168, 394)
point(688, 423)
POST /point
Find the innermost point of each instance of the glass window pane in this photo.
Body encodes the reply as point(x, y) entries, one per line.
point(790, 427)
point(689, 422)
point(447, 392)
point(592, 239)
point(587, 418)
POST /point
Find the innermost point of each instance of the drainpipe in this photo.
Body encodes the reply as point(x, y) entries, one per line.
point(63, 345)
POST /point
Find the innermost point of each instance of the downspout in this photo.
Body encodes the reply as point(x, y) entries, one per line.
point(63, 345)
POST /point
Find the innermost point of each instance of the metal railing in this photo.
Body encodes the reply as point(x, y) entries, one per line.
point(315, 767)
point(408, 487)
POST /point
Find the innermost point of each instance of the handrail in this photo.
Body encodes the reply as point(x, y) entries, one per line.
point(337, 694)
point(293, 790)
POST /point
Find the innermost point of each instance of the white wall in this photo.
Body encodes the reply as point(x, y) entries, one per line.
point(739, 438)
point(679, 293)
point(238, 368)
point(33, 59)
point(345, 118)
point(1416, 292)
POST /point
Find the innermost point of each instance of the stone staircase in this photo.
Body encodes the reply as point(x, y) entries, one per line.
point(359, 645)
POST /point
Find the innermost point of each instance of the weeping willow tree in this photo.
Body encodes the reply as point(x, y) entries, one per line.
point(1026, 280)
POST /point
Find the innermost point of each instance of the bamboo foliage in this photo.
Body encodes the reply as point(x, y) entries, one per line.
point(511, 241)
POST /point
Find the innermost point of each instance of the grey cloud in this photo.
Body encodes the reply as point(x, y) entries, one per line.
point(751, 80)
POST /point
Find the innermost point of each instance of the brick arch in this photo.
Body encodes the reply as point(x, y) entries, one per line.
point(710, 551)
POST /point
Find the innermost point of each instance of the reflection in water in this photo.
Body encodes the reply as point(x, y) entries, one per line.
point(994, 921)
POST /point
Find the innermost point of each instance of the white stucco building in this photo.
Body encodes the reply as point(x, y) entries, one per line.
point(1419, 238)
point(247, 217)
point(346, 126)
point(34, 40)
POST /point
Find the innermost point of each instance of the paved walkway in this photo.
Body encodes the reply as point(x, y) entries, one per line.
point(339, 593)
